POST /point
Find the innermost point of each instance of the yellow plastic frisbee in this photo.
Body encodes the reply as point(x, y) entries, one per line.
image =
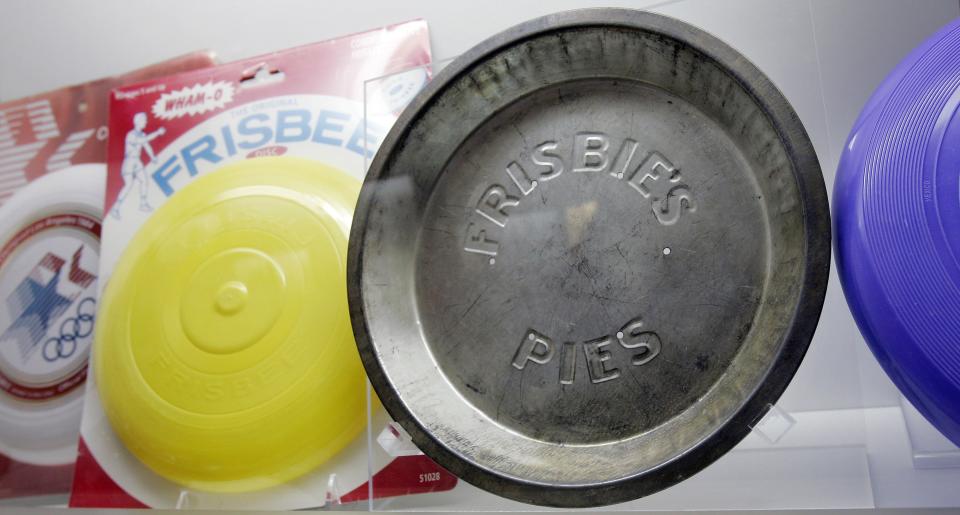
point(224, 356)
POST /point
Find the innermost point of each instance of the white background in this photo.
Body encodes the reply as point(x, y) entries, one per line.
point(827, 56)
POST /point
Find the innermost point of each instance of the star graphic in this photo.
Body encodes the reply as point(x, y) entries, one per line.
point(46, 301)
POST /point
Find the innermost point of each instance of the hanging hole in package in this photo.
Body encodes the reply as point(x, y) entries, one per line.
point(225, 373)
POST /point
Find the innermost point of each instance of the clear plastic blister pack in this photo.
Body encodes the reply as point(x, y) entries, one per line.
point(224, 371)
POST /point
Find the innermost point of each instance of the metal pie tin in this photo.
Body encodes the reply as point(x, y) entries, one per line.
point(588, 257)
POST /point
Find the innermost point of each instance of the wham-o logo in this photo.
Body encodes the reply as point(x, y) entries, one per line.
point(198, 99)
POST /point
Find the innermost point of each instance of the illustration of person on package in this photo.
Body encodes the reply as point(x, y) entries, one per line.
point(132, 169)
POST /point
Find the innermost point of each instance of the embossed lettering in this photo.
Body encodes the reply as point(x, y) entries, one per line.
point(659, 183)
point(478, 242)
point(545, 155)
point(658, 180)
point(597, 359)
point(590, 151)
point(640, 346)
point(519, 177)
point(493, 204)
point(624, 157)
point(632, 336)
point(651, 171)
point(667, 210)
point(535, 347)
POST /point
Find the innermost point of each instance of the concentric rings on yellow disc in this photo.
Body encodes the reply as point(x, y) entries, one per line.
point(224, 355)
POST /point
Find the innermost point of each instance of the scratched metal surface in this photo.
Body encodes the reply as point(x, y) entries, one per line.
point(588, 257)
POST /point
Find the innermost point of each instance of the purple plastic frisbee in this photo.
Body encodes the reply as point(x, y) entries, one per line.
point(897, 225)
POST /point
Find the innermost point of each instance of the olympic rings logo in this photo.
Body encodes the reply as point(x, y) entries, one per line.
point(71, 330)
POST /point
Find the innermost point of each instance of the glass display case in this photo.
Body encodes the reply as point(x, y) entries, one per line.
point(841, 437)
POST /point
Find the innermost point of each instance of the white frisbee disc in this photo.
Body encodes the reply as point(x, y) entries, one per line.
point(49, 252)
